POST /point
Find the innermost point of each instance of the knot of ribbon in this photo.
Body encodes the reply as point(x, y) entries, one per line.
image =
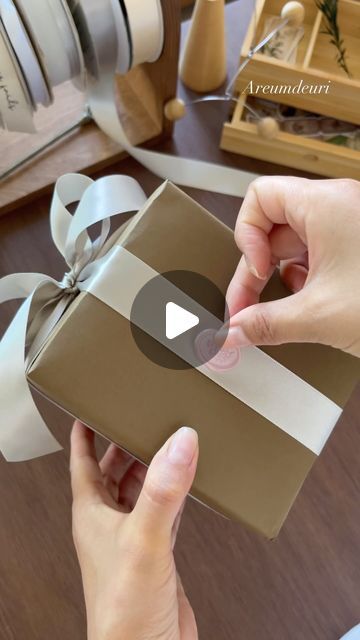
point(69, 283)
point(23, 432)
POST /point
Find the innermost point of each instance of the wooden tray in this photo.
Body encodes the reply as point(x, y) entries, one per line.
point(315, 64)
point(296, 151)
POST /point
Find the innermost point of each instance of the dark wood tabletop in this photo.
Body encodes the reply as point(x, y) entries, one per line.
point(303, 586)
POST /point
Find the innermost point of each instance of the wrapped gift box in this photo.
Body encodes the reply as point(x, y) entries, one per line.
point(90, 365)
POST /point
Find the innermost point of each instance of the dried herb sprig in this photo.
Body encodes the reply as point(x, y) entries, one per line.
point(329, 9)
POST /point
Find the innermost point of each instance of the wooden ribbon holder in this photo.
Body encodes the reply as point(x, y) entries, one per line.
point(141, 96)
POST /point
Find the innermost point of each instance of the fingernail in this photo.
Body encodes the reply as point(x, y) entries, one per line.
point(183, 446)
point(254, 270)
point(232, 337)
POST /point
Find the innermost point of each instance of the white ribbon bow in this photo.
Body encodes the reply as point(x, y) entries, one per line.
point(23, 432)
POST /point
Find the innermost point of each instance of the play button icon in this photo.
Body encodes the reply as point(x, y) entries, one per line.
point(169, 314)
point(179, 320)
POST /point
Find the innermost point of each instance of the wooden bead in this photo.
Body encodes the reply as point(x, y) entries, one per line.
point(268, 128)
point(175, 109)
point(294, 12)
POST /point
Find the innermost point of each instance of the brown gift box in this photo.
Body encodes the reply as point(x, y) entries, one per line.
point(249, 469)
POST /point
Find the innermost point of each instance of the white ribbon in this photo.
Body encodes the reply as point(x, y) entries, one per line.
point(182, 171)
point(262, 383)
point(23, 432)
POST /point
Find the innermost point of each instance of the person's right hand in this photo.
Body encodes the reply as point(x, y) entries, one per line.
point(312, 228)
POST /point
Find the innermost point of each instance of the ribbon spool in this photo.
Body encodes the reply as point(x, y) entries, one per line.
point(112, 40)
point(52, 30)
point(47, 42)
point(17, 93)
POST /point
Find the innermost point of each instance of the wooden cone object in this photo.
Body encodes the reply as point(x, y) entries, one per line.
point(203, 63)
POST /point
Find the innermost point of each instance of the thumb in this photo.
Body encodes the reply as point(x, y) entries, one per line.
point(270, 323)
point(167, 484)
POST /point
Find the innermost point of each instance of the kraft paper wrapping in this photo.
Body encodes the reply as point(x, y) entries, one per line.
point(249, 469)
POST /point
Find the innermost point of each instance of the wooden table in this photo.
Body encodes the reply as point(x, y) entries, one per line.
point(304, 586)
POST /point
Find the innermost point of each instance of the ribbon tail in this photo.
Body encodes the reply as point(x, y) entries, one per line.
point(182, 171)
point(23, 433)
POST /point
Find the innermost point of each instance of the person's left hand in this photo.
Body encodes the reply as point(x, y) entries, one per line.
point(125, 522)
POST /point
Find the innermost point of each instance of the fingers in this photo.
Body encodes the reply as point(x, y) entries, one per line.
point(113, 467)
point(86, 478)
point(270, 323)
point(115, 462)
point(294, 274)
point(167, 484)
point(285, 243)
point(270, 200)
point(255, 245)
point(131, 486)
point(267, 232)
point(244, 289)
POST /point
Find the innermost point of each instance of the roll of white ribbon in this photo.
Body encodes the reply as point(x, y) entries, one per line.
point(146, 26)
point(124, 47)
point(103, 35)
point(47, 22)
point(15, 102)
point(77, 61)
point(25, 54)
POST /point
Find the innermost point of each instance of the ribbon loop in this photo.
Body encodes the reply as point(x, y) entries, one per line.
point(68, 189)
point(23, 432)
point(18, 285)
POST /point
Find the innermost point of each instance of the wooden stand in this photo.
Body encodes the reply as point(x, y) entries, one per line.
point(141, 94)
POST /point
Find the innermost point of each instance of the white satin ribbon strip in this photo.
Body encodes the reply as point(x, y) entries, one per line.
point(146, 28)
point(181, 171)
point(22, 428)
point(259, 381)
point(23, 432)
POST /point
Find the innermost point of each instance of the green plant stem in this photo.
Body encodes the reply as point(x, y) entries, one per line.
point(329, 9)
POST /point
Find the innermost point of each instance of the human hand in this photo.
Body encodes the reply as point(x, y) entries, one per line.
point(312, 229)
point(125, 522)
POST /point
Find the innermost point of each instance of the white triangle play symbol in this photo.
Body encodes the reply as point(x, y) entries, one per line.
point(178, 320)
